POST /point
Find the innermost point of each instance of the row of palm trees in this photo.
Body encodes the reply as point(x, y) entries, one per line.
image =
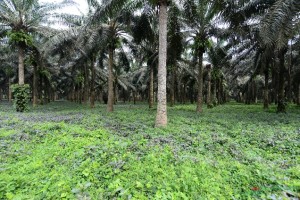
point(121, 42)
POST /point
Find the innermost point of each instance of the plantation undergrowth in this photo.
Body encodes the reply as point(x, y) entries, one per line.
point(68, 151)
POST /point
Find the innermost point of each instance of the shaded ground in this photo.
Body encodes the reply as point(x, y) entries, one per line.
point(65, 150)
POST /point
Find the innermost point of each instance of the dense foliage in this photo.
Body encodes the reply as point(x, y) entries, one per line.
point(66, 151)
point(21, 97)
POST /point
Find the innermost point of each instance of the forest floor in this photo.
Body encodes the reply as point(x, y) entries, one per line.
point(68, 151)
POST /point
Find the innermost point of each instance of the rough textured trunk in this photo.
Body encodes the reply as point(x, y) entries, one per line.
point(208, 100)
point(116, 94)
point(220, 92)
point(184, 93)
point(214, 92)
point(92, 103)
point(73, 94)
point(49, 92)
point(281, 101)
point(266, 89)
point(80, 92)
point(9, 91)
point(254, 97)
point(161, 116)
point(110, 102)
point(134, 97)
point(289, 77)
point(275, 77)
point(21, 65)
point(298, 98)
point(86, 85)
point(151, 88)
point(200, 83)
point(35, 86)
point(191, 92)
point(173, 86)
point(100, 95)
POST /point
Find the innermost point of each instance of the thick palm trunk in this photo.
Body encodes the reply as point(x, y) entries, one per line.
point(110, 102)
point(281, 101)
point(266, 89)
point(35, 86)
point(151, 88)
point(200, 83)
point(161, 116)
point(209, 103)
point(93, 85)
point(21, 65)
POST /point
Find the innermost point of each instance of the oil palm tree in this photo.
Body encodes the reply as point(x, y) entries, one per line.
point(113, 17)
point(280, 25)
point(202, 18)
point(110, 12)
point(20, 20)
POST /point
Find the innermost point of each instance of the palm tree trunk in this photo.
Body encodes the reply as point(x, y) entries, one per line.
point(266, 90)
point(161, 116)
point(173, 86)
point(21, 65)
point(86, 85)
point(184, 93)
point(275, 78)
point(134, 97)
point(35, 86)
point(200, 83)
point(151, 88)
point(9, 91)
point(289, 76)
point(214, 92)
point(220, 92)
point(93, 84)
point(191, 92)
point(209, 104)
point(281, 100)
point(116, 94)
point(298, 98)
point(110, 102)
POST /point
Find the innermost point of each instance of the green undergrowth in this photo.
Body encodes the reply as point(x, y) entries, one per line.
point(68, 151)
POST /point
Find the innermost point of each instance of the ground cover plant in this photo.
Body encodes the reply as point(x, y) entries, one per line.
point(68, 151)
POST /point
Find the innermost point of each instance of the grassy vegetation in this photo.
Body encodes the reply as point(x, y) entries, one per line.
point(68, 151)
